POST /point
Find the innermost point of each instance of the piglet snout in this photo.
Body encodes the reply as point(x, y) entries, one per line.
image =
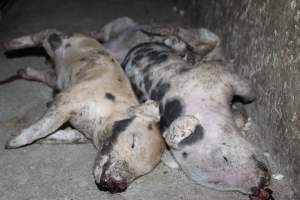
point(262, 166)
point(112, 185)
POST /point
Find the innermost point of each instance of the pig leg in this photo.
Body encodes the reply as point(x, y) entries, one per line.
point(32, 40)
point(46, 76)
point(113, 28)
point(57, 114)
point(66, 136)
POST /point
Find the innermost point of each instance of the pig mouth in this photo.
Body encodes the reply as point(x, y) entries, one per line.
point(262, 194)
point(110, 183)
point(262, 184)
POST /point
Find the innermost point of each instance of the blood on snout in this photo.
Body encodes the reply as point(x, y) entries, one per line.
point(111, 184)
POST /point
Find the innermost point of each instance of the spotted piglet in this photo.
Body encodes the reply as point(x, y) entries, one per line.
point(196, 116)
point(97, 99)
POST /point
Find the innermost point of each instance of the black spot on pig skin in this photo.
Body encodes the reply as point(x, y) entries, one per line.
point(139, 93)
point(147, 83)
point(104, 53)
point(146, 50)
point(68, 45)
point(172, 110)
point(143, 49)
point(184, 70)
point(110, 96)
point(159, 91)
point(54, 41)
point(137, 58)
point(156, 57)
point(135, 55)
point(194, 137)
point(119, 127)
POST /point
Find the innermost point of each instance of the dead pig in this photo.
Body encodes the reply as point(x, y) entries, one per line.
point(97, 99)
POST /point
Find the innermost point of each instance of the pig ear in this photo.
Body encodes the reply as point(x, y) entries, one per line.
point(202, 40)
point(183, 131)
point(176, 43)
point(148, 111)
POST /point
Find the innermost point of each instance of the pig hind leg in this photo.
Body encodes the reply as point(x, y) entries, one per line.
point(46, 76)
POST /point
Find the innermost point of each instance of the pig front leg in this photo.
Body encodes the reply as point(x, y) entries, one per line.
point(57, 114)
point(66, 136)
point(46, 76)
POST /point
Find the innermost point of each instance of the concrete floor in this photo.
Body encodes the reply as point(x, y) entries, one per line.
point(65, 171)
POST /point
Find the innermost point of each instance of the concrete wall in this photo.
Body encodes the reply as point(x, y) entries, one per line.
point(263, 37)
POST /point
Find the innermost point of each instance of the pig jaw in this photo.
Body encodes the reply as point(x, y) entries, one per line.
point(223, 165)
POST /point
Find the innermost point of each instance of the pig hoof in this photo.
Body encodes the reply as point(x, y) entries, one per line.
point(8, 45)
point(15, 143)
point(11, 144)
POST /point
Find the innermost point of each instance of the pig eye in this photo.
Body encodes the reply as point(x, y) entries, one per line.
point(220, 155)
point(184, 154)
